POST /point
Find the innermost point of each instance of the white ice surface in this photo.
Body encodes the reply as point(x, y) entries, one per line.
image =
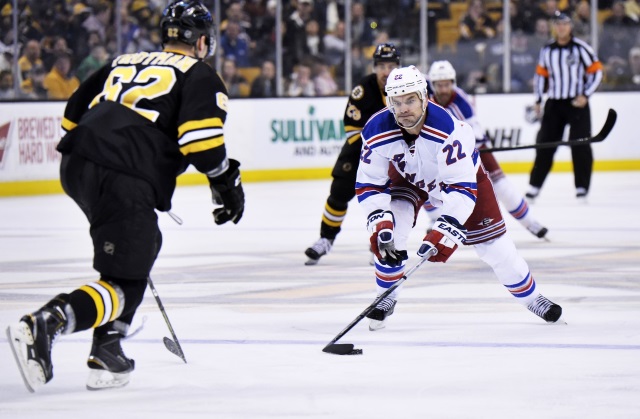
point(252, 319)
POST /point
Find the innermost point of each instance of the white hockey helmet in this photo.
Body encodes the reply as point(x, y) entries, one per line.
point(405, 80)
point(442, 70)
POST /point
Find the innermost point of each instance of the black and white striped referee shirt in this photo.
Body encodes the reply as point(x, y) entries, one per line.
point(567, 71)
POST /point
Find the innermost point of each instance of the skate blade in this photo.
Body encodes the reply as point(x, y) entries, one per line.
point(31, 371)
point(103, 380)
point(376, 325)
point(311, 262)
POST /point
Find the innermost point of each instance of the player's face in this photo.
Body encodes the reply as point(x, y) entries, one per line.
point(443, 90)
point(408, 109)
point(382, 70)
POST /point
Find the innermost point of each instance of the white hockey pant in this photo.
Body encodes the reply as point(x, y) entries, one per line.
point(510, 268)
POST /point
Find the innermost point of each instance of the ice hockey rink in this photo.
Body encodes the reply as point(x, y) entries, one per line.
point(252, 319)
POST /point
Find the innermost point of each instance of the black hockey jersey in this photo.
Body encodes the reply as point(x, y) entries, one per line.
point(150, 115)
point(365, 100)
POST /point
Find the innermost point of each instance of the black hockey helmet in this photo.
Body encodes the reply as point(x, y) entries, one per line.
point(386, 53)
point(186, 21)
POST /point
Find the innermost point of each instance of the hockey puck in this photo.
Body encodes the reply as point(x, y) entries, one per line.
point(355, 352)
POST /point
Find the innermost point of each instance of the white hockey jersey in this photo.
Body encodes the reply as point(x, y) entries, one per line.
point(443, 161)
point(460, 106)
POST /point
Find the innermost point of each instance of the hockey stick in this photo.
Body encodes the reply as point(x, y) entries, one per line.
point(348, 348)
point(604, 132)
point(172, 346)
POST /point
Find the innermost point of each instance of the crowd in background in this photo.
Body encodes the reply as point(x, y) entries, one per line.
point(61, 42)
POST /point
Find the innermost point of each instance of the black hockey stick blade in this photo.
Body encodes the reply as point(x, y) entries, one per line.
point(348, 348)
point(174, 348)
point(341, 349)
point(609, 123)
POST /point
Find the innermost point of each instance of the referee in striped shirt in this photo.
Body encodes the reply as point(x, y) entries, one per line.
point(570, 72)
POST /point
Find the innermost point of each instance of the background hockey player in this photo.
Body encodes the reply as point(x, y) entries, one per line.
point(366, 99)
point(414, 151)
point(132, 128)
point(445, 93)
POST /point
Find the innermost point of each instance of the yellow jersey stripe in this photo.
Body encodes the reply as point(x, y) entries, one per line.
point(68, 125)
point(203, 123)
point(334, 211)
point(331, 223)
point(197, 146)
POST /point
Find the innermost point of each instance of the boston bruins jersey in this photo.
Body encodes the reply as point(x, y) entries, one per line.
point(365, 100)
point(150, 115)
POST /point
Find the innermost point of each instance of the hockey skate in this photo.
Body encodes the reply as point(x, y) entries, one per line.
point(379, 315)
point(317, 250)
point(31, 341)
point(110, 367)
point(537, 230)
point(546, 309)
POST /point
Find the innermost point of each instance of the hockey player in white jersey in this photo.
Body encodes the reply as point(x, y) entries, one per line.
point(442, 76)
point(415, 150)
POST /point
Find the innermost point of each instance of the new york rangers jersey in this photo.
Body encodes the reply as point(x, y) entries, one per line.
point(460, 106)
point(442, 160)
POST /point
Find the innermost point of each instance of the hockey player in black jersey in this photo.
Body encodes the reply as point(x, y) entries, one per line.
point(131, 129)
point(366, 99)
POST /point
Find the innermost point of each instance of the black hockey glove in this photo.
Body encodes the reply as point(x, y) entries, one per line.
point(227, 191)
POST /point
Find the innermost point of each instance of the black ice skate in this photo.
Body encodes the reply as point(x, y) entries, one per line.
point(546, 309)
point(31, 341)
point(317, 250)
point(379, 314)
point(109, 366)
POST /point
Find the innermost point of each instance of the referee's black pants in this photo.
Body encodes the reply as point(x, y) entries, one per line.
point(557, 114)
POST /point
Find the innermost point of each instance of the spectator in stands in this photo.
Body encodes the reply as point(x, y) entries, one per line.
point(265, 84)
point(618, 34)
point(361, 31)
point(301, 82)
point(264, 34)
point(33, 86)
point(99, 20)
point(315, 42)
point(92, 62)
point(619, 17)
point(76, 34)
point(235, 46)
point(7, 91)
point(581, 19)
point(236, 14)
point(30, 57)
point(542, 34)
point(476, 23)
point(294, 41)
point(548, 9)
point(237, 85)
point(58, 82)
point(52, 48)
point(335, 45)
point(521, 17)
point(323, 81)
point(523, 62)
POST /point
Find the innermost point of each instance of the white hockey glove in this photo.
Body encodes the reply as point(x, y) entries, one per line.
point(380, 225)
point(446, 235)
